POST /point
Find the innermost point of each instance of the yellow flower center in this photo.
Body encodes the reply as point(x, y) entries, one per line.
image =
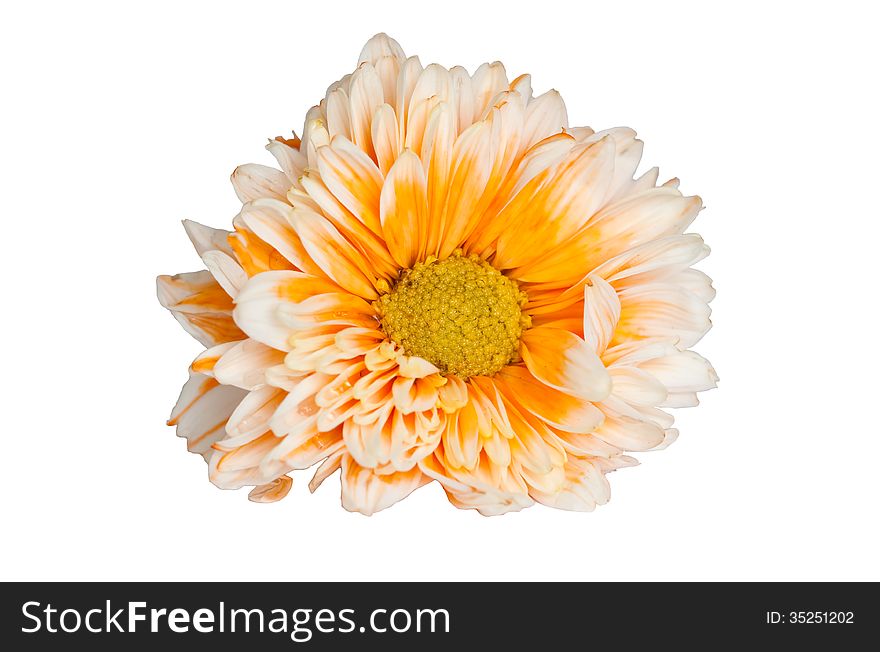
point(461, 314)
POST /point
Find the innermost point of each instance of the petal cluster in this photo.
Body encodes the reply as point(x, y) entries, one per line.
point(400, 164)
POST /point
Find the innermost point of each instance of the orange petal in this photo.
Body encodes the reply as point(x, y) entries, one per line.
point(257, 309)
point(254, 254)
point(269, 219)
point(564, 361)
point(404, 209)
point(353, 178)
point(615, 229)
point(200, 305)
point(662, 310)
point(436, 156)
point(538, 161)
point(293, 163)
point(576, 190)
point(333, 254)
point(555, 408)
point(368, 243)
point(471, 167)
point(461, 439)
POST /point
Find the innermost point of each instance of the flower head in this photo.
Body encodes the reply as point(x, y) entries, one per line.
point(442, 282)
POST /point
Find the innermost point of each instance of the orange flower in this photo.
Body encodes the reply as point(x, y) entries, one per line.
point(442, 282)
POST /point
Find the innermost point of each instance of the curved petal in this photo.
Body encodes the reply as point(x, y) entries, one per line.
point(269, 219)
point(200, 305)
point(366, 96)
point(244, 364)
point(202, 411)
point(545, 116)
point(251, 417)
point(252, 181)
point(333, 254)
point(487, 81)
point(352, 176)
point(253, 253)
point(381, 45)
point(564, 361)
point(461, 439)
point(477, 488)
point(242, 466)
point(404, 209)
point(636, 387)
point(207, 359)
point(601, 313)
point(226, 271)
point(385, 137)
point(584, 489)
point(367, 492)
point(258, 305)
point(271, 492)
point(410, 366)
point(368, 243)
point(563, 411)
point(614, 230)
point(683, 374)
point(662, 310)
point(630, 434)
point(560, 207)
point(204, 238)
point(471, 168)
point(293, 163)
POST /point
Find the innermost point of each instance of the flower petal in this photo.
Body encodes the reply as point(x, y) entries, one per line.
point(353, 178)
point(292, 162)
point(271, 492)
point(553, 407)
point(367, 492)
point(557, 209)
point(204, 238)
point(471, 167)
point(381, 45)
point(684, 372)
point(404, 209)
point(601, 313)
point(226, 271)
point(258, 305)
point(270, 220)
point(545, 116)
point(244, 364)
point(636, 387)
point(630, 434)
point(385, 135)
point(366, 96)
point(661, 310)
point(200, 305)
point(202, 411)
point(333, 254)
point(564, 361)
point(252, 181)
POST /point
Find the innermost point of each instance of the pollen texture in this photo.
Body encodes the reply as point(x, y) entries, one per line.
point(461, 314)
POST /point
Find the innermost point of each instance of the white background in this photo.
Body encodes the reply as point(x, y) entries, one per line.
point(118, 121)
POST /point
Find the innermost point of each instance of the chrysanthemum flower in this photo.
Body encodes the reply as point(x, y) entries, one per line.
point(443, 282)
